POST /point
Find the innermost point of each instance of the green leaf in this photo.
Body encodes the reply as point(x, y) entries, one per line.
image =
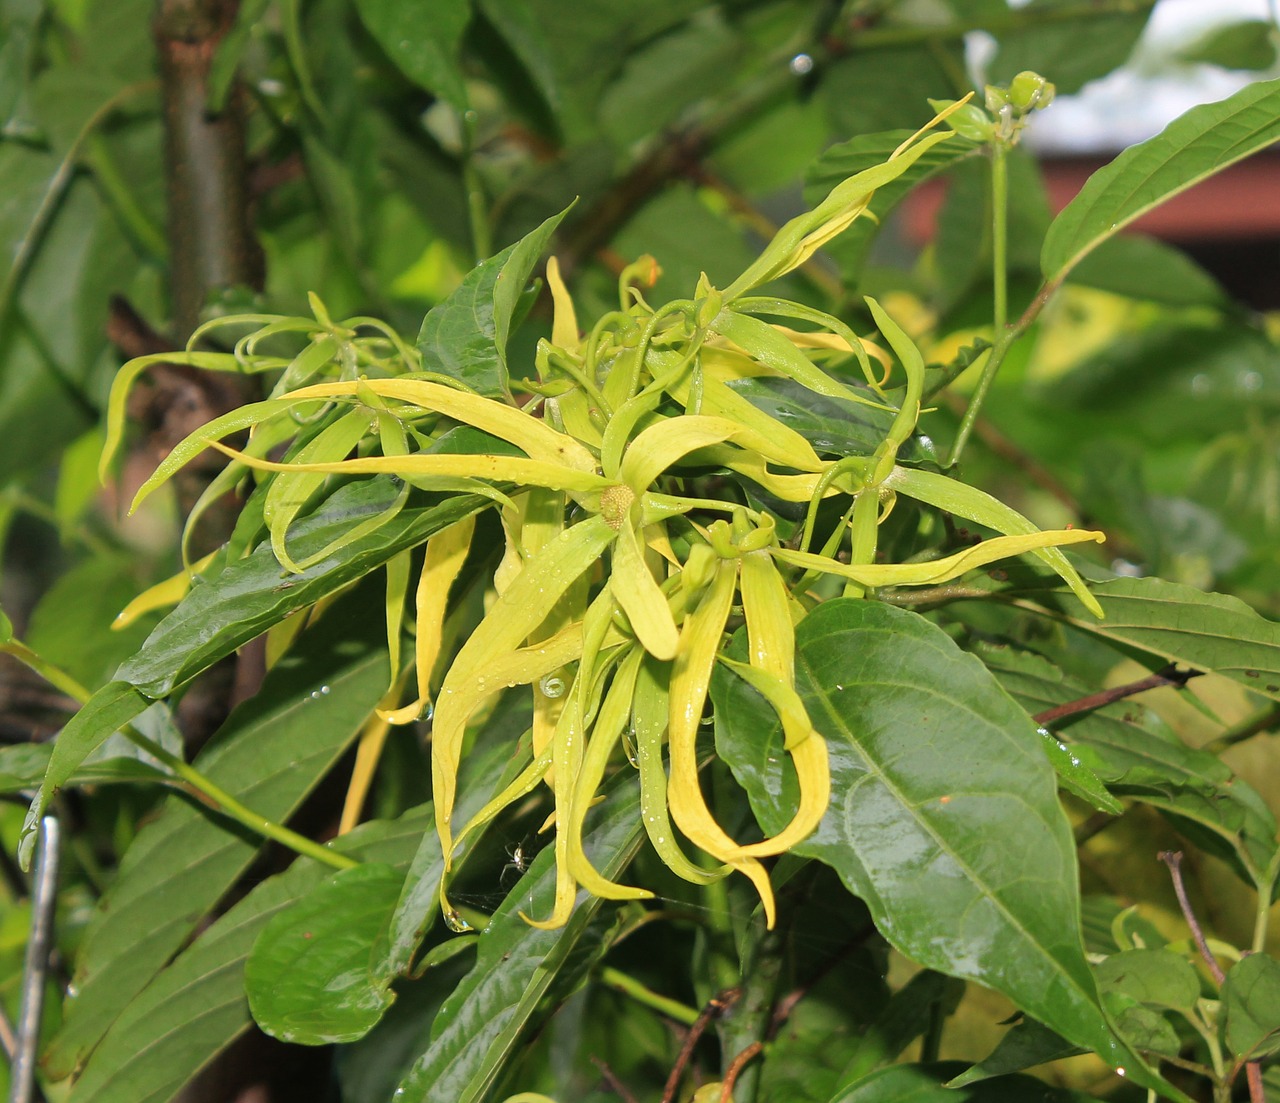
point(1076, 777)
point(1194, 146)
point(1027, 1044)
point(23, 766)
point(1146, 1030)
point(1181, 624)
point(106, 712)
point(832, 425)
point(466, 335)
point(1069, 51)
point(1248, 44)
point(422, 39)
point(270, 753)
point(71, 626)
point(1157, 978)
point(908, 1014)
point(517, 22)
point(887, 88)
point(846, 159)
point(479, 1025)
point(309, 976)
point(247, 597)
point(1251, 999)
point(487, 767)
point(929, 1084)
point(945, 818)
point(1141, 267)
point(196, 1006)
point(1136, 755)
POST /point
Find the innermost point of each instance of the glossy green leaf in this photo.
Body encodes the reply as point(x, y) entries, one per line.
point(422, 39)
point(1027, 1044)
point(1179, 623)
point(946, 819)
point(466, 335)
point(1157, 978)
point(250, 595)
point(197, 1006)
point(23, 766)
point(1195, 145)
point(1135, 755)
point(831, 425)
point(309, 977)
point(106, 712)
point(479, 1025)
point(270, 753)
point(1251, 1000)
point(1076, 777)
point(928, 1084)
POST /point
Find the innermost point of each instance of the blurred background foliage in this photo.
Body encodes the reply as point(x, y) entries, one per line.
point(373, 150)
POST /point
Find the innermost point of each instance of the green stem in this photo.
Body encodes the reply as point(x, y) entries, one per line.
point(146, 236)
point(642, 994)
point(196, 782)
point(55, 190)
point(1261, 721)
point(477, 201)
point(1266, 890)
point(1000, 287)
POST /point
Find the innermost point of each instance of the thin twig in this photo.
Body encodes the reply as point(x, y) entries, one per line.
point(1169, 676)
point(1265, 720)
point(1173, 859)
point(612, 1082)
point(715, 1007)
point(1253, 1075)
point(735, 1068)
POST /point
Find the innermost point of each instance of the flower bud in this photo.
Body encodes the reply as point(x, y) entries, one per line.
point(1029, 91)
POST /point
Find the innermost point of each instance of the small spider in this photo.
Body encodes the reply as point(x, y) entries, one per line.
point(520, 859)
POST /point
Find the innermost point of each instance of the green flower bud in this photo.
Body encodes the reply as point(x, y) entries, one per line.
point(1029, 91)
point(997, 98)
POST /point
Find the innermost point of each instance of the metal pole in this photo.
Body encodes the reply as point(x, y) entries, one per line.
point(44, 895)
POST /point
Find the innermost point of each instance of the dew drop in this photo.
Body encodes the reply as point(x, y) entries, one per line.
point(455, 922)
point(629, 748)
point(551, 686)
point(801, 65)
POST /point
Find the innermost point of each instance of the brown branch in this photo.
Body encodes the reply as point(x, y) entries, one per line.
point(716, 1006)
point(735, 1070)
point(612, 1082)
point(1173, 859)
point(1169, 676)
point(211, 239)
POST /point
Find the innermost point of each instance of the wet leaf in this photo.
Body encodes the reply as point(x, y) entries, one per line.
point(946, 821)
point(309, 977)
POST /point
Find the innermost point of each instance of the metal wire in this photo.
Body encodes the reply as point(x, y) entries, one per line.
point(35, 975)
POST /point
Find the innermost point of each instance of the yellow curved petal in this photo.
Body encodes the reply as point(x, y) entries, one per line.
point(938, 570)
point(691, 674)
point(530, 434)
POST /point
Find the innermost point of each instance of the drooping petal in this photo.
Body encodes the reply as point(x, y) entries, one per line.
point(691, 674)
point(938, 570)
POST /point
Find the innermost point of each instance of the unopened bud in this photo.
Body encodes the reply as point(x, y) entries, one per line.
point(1029, 91)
